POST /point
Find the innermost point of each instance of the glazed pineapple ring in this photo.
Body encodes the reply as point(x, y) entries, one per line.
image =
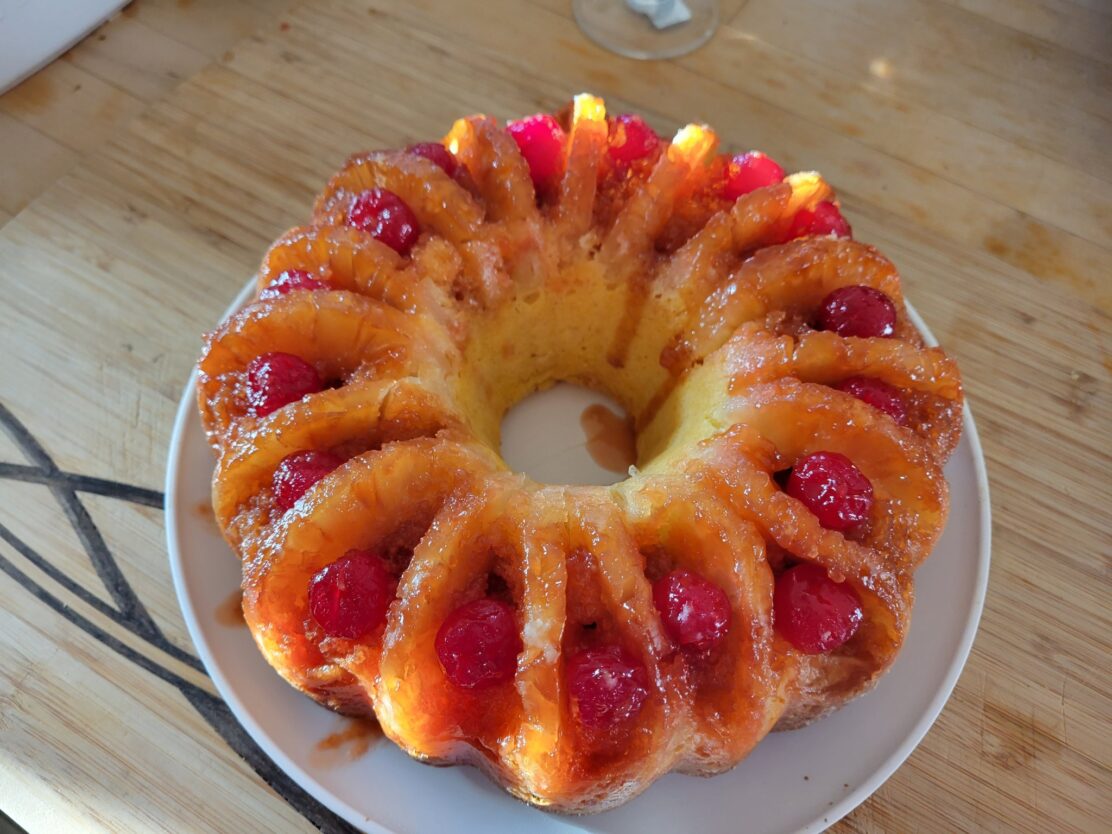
point(754, 572)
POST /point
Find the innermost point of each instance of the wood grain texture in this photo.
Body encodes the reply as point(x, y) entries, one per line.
point(94, 89)
point(90, 110)
point(137, 58)
point(968, 139)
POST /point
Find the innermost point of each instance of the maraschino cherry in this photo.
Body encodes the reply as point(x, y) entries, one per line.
point(277, 379)
point(436, 153)
point(631, 139)
point(812, 611)
point(857, 311)
point(299, 471)
point(387, 217)
point(749, 171)
point(695, 611)
point(541, 141)
point(289, 281)
point(825, 219)
point(608, 687)
point(831, 487)
point(878, 394)
point(349, 597)
point(478, 644)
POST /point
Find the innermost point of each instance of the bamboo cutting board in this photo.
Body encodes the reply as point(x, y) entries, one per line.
point(968, 139)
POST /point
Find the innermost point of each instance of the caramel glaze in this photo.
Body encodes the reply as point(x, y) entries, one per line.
point(230, 612)
point(204, 511)
point(658, 399)
point(357, 736)
point(636, 299)
point(611, 441)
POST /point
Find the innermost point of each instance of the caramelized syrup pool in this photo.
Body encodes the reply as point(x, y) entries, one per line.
point(347, 744)
point(205, 512)
point(611, 441)
point(230, 612)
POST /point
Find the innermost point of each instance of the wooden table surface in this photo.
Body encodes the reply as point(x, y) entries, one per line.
point(143, 174)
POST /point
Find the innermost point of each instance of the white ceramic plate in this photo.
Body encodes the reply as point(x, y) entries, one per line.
point(34, 32)
point(797, 781)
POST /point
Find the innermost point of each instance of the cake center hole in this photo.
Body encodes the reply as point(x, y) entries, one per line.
point(568, 434)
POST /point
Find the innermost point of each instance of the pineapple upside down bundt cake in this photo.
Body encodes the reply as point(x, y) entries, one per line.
point(752, 573)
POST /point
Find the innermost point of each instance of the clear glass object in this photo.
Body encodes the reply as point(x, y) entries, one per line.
point(617, 26)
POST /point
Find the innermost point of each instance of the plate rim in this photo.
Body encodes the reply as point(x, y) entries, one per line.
point(868, 786)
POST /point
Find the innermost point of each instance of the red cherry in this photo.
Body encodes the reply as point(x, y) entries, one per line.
point(290, 280)
point(299, 471)
point(831, 487)
point(824, 220)
point(608, 686)
point(631, 139)
point(387, 217)
point(435, 152)
point(829, 220)
point(478, 644)
point(541, 141)
point(750, 171)
point(695, 611)
point(276, 379)
point(812, 611)
point(349, 597)
point(878, 394)
point(857, 311)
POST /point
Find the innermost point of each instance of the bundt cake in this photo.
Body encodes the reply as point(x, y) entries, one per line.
point(753, 572)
